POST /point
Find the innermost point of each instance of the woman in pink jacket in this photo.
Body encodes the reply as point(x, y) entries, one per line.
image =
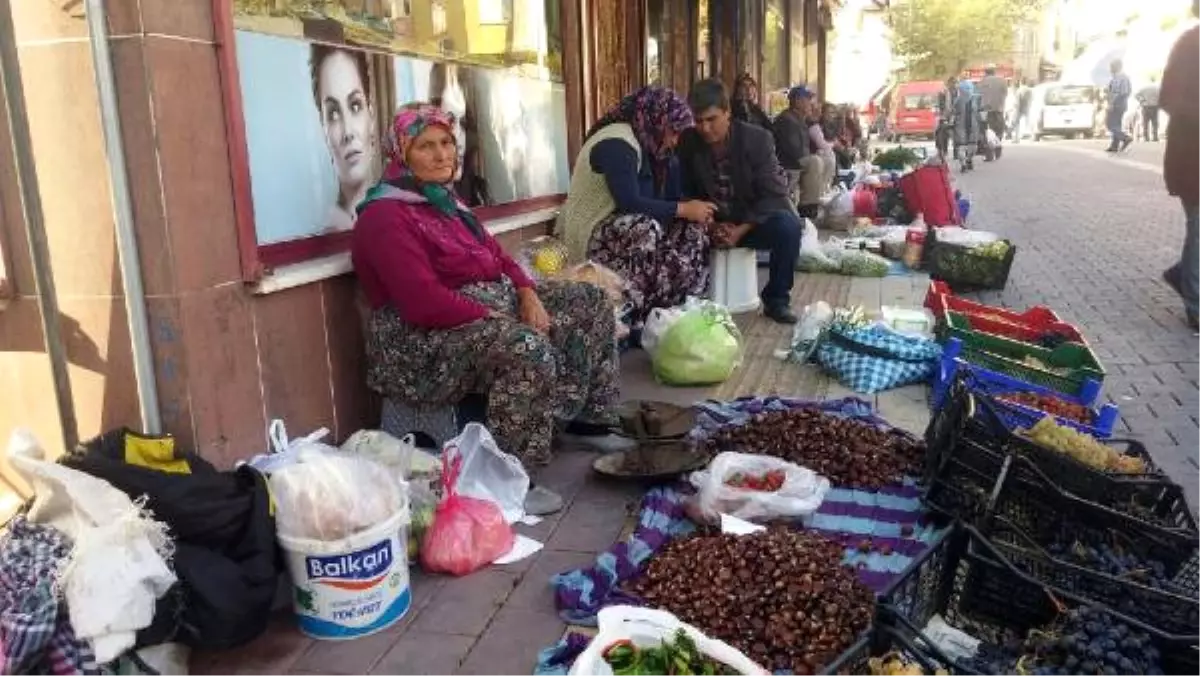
point(452, 313)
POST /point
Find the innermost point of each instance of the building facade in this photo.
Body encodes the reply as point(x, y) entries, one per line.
point(240, 136)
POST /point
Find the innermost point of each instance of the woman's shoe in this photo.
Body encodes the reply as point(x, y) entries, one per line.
point(541, 501)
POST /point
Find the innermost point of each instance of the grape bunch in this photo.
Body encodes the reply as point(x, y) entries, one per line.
point(1105, 558)
point(1090, 641)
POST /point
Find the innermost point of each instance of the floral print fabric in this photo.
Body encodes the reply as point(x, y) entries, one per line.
point(530, 379)
point(651, 112)
point(661, 265)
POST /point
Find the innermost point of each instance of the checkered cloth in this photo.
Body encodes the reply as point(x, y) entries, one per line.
point(875, 358)
point(35, 628)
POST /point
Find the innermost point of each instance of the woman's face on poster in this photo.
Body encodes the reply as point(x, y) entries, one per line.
point(347, 119)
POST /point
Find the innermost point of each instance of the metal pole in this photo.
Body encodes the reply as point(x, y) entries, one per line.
point(127, 248)
point(35, 224)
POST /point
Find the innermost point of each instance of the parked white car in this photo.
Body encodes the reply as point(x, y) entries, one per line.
point(1066, 110)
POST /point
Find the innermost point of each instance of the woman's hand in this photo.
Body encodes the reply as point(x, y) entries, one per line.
point(532, 312)
point(727, 235)
point(696, 211)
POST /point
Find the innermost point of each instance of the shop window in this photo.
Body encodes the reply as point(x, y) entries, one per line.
point(313, 97)
point(775, 47)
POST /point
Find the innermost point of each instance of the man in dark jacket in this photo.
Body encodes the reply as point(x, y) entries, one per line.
point(1180, 97)
point(733, 165)
point(792, 147)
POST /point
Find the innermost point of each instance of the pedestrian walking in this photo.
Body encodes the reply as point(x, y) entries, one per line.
point(1119, 91)
point(1024, 101)
point(967, 125)
point(992, 92)
point(1180, 97)
point(1147, 98)
point(945, 111)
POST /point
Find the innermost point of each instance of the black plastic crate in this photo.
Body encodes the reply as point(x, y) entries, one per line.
point(979, 592)
point(964, 269)
point(964, 429)
point(1174, 609)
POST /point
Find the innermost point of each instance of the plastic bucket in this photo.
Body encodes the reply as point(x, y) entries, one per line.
point(347, 588)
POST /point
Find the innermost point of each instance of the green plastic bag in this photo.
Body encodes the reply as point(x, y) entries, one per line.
point(702, 347)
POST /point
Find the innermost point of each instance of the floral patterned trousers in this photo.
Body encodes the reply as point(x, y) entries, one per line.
point(530, 379)
point(662, 264)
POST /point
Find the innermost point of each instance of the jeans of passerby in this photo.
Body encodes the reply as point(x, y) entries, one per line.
point(780, 235)
point(1018, 125)
point(1114, 122)
point(1185, 275)
point(941, 139)
point(1149, 120)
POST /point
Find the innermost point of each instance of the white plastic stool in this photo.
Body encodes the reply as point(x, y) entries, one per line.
point(734, 281)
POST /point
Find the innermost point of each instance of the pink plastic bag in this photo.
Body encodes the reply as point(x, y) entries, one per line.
point(467, 533)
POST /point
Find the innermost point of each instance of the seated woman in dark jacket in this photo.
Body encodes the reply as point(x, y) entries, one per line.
point(623, 209)
point(744, 103)
point(452, 312)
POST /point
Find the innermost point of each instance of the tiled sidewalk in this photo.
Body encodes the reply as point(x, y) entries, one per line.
point(496, 620)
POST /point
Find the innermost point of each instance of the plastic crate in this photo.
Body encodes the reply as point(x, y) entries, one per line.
point(966, 453)
point(1175, 610)
point(958, 323)
point(985, 382)
point(976, 590)
point(960, 267)
point(1075, 364)
point(939, 299)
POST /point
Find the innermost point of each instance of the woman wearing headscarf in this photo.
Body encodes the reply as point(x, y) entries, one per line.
point(623, 209)
point(967, 125)
point(452, 313)
point(743, 105)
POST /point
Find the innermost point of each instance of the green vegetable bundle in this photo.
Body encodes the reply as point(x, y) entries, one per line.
point(897, 159)
point(677, 656)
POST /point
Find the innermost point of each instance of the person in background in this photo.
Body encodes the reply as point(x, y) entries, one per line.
point(1180, 98)
point(1024, 103)
point(805, 171)
point(1147, 98)
point(623, 208)
point(450, 311)
point(733, 165)
point(341, 84)
point(1119, 90)
point(945, 111)
point(1010, 108)
point(745, 106)
point(992, 92)
point(967, 125)
point(819, 143)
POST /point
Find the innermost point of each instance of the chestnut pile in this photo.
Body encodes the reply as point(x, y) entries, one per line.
point(850, 453)
point(780, 596)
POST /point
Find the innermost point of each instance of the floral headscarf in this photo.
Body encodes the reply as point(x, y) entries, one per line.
point(651, 111)
point(411, 119)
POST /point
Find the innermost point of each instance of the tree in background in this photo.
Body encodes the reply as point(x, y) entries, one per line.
point(939, 38)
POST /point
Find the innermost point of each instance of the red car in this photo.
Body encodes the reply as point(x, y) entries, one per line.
point(914, 109)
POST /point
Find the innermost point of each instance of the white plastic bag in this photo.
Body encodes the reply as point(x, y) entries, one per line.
point(283, 451)
point(807, 332)
point(801, 494)
point(489, 473)
point(399, 455)
point(647, 628)
point(327, 495)
point(657, 323)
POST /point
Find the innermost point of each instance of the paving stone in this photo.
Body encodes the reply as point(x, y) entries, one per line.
point(420, 652)
point(587, 527)
point(275, 652)
point(356, 656)
point(512, 642)
point(465, 605)
point(534, 591)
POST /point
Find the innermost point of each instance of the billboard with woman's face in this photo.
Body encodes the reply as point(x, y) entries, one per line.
point(313, 112)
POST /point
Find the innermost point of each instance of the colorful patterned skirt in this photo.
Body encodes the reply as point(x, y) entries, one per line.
point(530, 379)
point(662, 265)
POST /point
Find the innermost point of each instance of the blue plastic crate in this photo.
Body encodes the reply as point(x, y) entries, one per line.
point(984, 381)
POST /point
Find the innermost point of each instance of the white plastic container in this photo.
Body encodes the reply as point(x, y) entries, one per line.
point(347, 588)
point(647, 628)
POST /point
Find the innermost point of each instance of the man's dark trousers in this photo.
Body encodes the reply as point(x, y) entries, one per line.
point(780, 235)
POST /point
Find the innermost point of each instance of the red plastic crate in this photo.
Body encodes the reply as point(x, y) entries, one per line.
point(940, 300)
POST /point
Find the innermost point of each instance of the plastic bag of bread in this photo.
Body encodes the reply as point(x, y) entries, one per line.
point(329, 495)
